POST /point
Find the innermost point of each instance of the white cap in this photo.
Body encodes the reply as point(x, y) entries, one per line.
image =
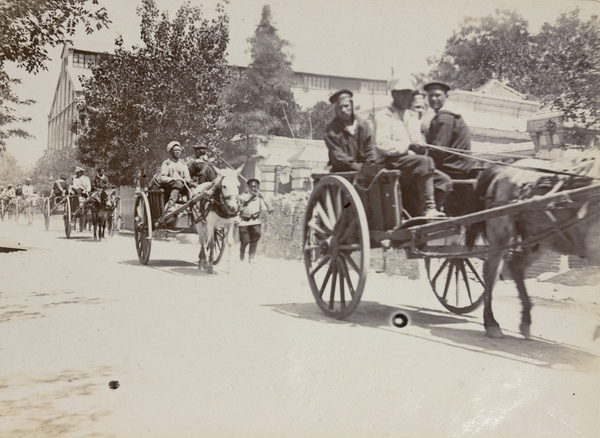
point(404, 83)
point(172, 144)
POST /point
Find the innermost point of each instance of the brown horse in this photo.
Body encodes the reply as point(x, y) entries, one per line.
point(102, 205)
point(513, 239)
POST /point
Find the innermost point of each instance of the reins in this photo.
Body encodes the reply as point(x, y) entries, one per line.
point(476, 156)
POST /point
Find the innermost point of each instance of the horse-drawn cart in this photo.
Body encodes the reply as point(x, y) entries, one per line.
point(152, 223)
point(345, 219)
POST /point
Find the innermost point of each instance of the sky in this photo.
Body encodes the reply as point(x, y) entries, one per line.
point(357, 38)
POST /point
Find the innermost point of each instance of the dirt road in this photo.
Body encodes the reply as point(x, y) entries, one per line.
point(249, 354)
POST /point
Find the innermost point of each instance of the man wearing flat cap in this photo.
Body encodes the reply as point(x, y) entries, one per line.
point(397, 132)
point(201, 170)
point(348, 139)
point(250, 222)
point(447, 129)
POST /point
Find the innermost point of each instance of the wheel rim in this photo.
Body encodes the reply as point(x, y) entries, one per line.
point(67, 217)
point(47, 213)
point(456, 282)
point(142, 228)
point(336, 246)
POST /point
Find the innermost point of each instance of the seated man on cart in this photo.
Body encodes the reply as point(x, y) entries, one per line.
point(59, 189)
point(348, 139)
point(393, 142)
point(174, 176)
point(201, 169)
point(81, 187)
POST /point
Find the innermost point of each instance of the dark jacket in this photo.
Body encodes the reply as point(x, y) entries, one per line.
point(449, 129)
point(201, 171)
point(349, 152)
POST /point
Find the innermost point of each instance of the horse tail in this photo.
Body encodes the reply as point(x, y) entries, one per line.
point(484, 180)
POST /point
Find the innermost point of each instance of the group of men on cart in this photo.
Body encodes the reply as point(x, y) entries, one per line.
point(24, 193)
point(399, 140)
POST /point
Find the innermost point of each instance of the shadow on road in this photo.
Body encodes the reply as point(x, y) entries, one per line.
point(444, 328)
point(175, 267)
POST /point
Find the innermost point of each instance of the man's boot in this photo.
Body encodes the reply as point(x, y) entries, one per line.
point(427, 198)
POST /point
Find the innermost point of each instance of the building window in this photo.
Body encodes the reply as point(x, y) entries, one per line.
point(83, 59)
point(316, 82)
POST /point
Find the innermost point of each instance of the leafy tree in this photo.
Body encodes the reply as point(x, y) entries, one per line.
point(312, 122)
point(259, 98)
point(568, 74)
point(52, 165)
point(559, 66)
point(10, 171)
point(495, 46)
point(137, 101)
point(27, 29)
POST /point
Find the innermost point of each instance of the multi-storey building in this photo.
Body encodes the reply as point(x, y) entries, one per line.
point(75, 62)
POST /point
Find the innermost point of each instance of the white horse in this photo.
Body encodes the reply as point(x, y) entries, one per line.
point(217, 212)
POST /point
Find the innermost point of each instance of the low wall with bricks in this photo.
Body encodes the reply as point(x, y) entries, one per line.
point(282, 237)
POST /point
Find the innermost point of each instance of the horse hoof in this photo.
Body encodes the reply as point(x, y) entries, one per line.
point(210, 269)
point(525, 330)
point(494, 332)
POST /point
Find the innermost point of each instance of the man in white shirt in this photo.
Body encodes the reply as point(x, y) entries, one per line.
point(27, 188)
point(250, 223)
point(81, 183)
point(396, 128)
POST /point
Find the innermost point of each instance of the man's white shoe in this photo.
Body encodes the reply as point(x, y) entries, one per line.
point(434, 214)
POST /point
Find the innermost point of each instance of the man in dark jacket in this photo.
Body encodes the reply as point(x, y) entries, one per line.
point(348, 139)
point(447, 129)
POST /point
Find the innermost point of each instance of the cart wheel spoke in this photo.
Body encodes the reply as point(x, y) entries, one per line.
point(463, 289)
point(346, 274)
point(463, 271)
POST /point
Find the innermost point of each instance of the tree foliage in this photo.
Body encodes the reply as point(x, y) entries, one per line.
point(10, 171)
point(259, 98)
point(52, 165)
point(27, 29)
point(558, 66)
point(312, 122)
point(137, 101)
point(568, 71)
point(495, 46)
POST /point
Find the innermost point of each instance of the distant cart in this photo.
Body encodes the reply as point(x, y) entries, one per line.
point(152, 223)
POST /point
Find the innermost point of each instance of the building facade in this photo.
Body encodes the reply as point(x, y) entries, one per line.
point(62, 119)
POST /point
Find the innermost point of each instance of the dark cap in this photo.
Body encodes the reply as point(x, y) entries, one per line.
point(251, 180)
point(444, 86)
point(335, 96)
point(200, 146)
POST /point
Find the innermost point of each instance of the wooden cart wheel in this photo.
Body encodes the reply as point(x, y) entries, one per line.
point(18, 209)
point(219, 245)
point(46, 211)
point(111, 222)
point(142, 221)
point(456, 282)
point(67, 216)
point(336, 246)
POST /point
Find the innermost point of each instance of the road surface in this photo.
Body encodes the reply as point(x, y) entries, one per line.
point(249, 354)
